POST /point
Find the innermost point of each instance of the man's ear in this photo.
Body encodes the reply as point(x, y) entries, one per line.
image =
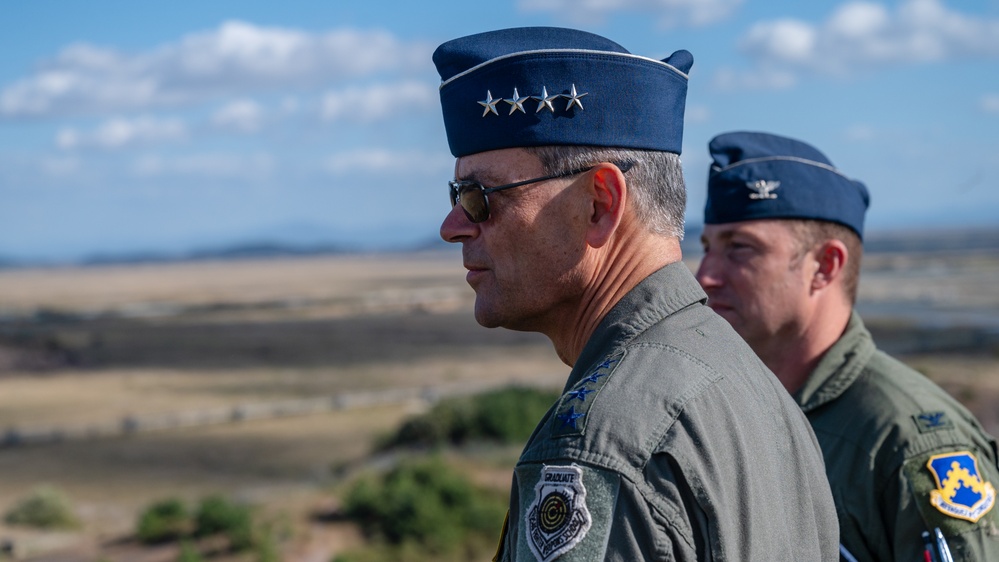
point(831, 257)
point(610, 196)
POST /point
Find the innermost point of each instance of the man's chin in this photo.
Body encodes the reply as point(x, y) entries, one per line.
point(486, 317)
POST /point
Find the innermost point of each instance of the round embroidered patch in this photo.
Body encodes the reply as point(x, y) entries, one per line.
point(554, 512)
point(558, 518)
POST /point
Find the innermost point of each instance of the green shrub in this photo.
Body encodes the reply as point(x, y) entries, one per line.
point(510, 415)
point(44, 508)
point(164, 520)
point(188, 553)
point(266, 549)
point(505, 416)
point(424, 503)
point(217, 515)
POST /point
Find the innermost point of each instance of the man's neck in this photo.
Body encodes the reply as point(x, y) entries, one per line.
point(613, 273)
point(794, 354)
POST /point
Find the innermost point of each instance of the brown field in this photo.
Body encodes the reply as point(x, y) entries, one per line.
point(95, 347)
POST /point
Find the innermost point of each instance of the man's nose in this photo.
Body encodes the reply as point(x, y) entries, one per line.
point(709, 272)
point(456, 226)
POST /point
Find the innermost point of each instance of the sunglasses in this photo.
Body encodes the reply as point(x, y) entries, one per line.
point(473, 196)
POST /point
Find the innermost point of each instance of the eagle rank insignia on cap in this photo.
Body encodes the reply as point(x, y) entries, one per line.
point(763, 189)
point(558, 519)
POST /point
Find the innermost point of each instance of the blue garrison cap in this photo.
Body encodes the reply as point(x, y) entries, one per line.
point(764, 176)
point(537, 86)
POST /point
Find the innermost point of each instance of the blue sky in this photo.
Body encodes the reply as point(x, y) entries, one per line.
point(169, 126)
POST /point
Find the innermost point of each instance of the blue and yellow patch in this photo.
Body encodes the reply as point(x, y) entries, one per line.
point(961, 491)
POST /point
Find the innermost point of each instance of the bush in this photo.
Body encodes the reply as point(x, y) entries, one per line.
point(510, 415)
point(44, 508)
point(188, 553)
point(163, 521)
point(504, 416)
point(217, 515)
point(426, 503)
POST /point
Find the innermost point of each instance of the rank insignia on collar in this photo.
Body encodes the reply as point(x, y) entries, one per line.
point(961, 491)
point(558, 518)
point(763, 189)
point(932, 421)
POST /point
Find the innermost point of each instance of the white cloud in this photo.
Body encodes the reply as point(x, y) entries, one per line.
point(382, 161)
point(670, 13)
point(120, 132)
point(207, 165)
point(697, 113)
point(990, 103)
point(781, 40)
point(234, 59)
point(242, 115)
point(378, 102)
point(861, 35)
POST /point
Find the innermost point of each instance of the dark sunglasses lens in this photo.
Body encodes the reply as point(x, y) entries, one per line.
point(473, 202)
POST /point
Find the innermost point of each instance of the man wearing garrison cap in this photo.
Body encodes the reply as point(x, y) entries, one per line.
point(671, 440)
point(782, 243)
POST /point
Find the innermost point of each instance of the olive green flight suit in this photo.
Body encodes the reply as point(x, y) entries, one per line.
point(671, 441)
point(902, 456)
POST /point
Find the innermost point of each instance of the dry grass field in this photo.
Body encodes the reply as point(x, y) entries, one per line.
point(97, 347)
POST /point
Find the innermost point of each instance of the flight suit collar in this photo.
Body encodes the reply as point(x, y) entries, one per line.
point(659, 295)
point(839, 367)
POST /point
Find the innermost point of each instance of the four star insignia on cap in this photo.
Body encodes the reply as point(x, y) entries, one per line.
point(544, 101)
point(490, 104)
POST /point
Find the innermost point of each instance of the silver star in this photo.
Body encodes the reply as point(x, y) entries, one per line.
point(574, 98)
point(544, 100)
point(517, 102)
point(489, 104)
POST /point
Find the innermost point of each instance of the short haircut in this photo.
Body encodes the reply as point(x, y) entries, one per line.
point(656, 183)
point(809, 234)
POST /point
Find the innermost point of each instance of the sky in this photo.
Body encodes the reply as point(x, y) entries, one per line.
point(166, 127)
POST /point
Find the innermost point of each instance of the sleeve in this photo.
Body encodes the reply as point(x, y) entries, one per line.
point(950, 490)
point(579, 513)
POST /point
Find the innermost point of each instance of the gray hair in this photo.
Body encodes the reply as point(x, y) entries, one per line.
point(656, 183)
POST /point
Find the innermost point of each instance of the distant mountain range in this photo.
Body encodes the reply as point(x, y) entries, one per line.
point(978, 239)
point(896, 241)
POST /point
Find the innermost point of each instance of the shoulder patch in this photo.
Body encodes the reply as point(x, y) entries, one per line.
point(932, 421)
point(570, 417)
point(961, 490)
point(558, 518)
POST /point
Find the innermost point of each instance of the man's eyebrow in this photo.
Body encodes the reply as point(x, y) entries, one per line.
point(483, 177)
point(723, 236)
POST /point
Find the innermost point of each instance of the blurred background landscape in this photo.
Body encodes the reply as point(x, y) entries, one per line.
point(229, 331)
point(279, 384)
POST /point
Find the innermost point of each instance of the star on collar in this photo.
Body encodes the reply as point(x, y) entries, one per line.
point(545, 101)
point(517, 102)
point(570, 417)
point(489, 104)
point(581, 393)
point(574, 98)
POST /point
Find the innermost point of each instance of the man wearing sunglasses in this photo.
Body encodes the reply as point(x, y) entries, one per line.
point(671, 440)
point(782, 249)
